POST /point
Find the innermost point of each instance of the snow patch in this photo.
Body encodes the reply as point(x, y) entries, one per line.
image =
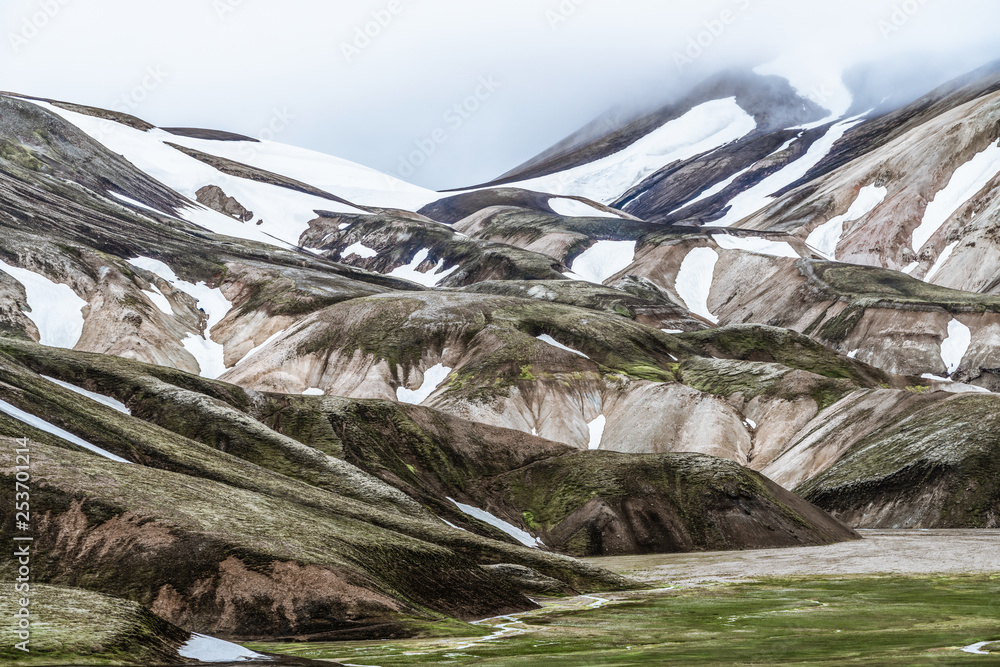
point(942, 258)
point(545, 338)
point(755, 244)
point(574, 208)
point(754, 199)
point(521, 536)
point(967, 180)
point(359, 249)
point(433, 378)
point(449, 523)
point(208, 353)
point(209, 649)
point(694, 281)
point(100, 398)
point(714, 190)
point(56, 310)
point(42, 425)
point(954, 347)
point(273, 337)
point(596, 430)
point(314, 391)
point(161, 302)
point(602, 260)
point(825, 238)
point(139, 204)
point(429, 279)
point(977, 648)
point(704, 128)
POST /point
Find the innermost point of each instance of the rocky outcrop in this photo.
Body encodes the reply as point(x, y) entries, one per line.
point(214, 198)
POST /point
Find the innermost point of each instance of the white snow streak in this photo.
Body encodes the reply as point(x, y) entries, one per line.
point(43, 425)
point(521, 536)
point(273, 337)
point(714, 190)
point(433, 378)
point(704, 128)
point(206, 352)
point(602, 260)
point(573, 208)
point(100, 398)
point(954, 347)
point(429, 279)
point(161, 302)
point(755, 244)
point(825, 238)
point(977, 648)
point(56, 309)
point(209, 649)
point(754, 199)
point(694, 281)
point(314, 391)
point(942, 258)
point(545, 338)
point(967, 180)
point(596, 429)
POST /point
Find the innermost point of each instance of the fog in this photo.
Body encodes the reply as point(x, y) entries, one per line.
point(453, 92)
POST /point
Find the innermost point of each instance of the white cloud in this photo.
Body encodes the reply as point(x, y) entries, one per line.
point(232, 70)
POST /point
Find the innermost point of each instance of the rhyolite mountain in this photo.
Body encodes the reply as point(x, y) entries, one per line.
point(270, 393)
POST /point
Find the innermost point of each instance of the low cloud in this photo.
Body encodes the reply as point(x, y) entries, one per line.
point(369, 80)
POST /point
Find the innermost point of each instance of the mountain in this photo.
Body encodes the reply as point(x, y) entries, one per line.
point(270, 393)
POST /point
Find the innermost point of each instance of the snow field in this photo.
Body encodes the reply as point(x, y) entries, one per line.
point(602, 260)
point(434, 377)
point(694, 281)
point(56, 310)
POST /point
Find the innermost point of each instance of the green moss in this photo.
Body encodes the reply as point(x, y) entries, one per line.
point(782, 346)
point(76, 627)
point(19, 155)
point(935, 465)
point(861, 620)
point(877, 287)
point(841, 326)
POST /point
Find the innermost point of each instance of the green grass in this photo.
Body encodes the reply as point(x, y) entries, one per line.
point(828, 621)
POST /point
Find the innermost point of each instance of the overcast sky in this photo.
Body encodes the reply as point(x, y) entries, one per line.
point(525, 73)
